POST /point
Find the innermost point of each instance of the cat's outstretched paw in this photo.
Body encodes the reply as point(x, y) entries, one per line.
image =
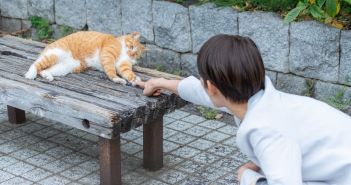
point(119, 80)
point(31, 74)
point(45, 74)
point(137, 78)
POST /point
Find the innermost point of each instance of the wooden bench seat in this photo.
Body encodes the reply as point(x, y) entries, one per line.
point(87, 101)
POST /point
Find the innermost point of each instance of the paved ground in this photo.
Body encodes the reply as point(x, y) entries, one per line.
point(196, 151)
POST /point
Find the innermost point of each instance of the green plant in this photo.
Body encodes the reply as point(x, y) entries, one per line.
point(322, 10)
point(206, 112)
point(309, 88)
point(338, 101)
point(160, 67)
point(43, 27)
point(66, 30)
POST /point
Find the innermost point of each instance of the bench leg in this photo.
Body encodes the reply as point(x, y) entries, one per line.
point(153, 145)
point(110, 161)
point(16, 116)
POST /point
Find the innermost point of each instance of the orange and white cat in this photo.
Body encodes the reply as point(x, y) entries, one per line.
point(88, 49)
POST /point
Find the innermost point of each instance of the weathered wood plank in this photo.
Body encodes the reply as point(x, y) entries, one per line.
point(110, 161)
point(13, 93)
point(16, 116)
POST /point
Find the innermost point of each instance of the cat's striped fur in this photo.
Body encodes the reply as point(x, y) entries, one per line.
point(87, 49)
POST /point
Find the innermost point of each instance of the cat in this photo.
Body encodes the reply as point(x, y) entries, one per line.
point(88, 49)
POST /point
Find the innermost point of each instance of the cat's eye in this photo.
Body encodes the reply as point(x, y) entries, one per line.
point(131, 47)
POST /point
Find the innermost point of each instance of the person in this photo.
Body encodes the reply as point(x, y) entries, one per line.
point(289, 139)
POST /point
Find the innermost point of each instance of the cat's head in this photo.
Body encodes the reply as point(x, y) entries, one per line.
point(134, 48)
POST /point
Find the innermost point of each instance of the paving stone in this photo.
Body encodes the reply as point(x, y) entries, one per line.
point(17, 181)
point(131, 135)
point(227, 164)
point(216, 136)
point(19, 168)
point(180, 125)
point(131, 163)
point(181, 138)
point(195, 180)
point(177, 114)
point(190, 166)
point(212, 124)
point(6, 161)
point(186, 152)
point(231, 141)
point(40, 160)
point(70, 141)
point(13, 134)
point(202, 144)
point(92, 150)
point(26, 140)
point(4, 176)
point(77, 132)
point(109, 19)
point(75, 173)
point(228, 179)
point(205, 158)
point(210, 173)
point(57, 166)
point(91, 137)
point(154, 182)
point(46, 132)
point(197, 131)
point(221, 150)
point(31, 127)
point(42, 146)
point(229, 129)
point(91, 165)
point(169, 146)
point(171, 160)
point(134, 178)
point(131, 148)
point(173, 176)
point(194, 119)
point(76, 158)
point(36, 174)
point(55, 180)
point(9, 147)
point(91, 179)
point(167, 132)
point(59, 152)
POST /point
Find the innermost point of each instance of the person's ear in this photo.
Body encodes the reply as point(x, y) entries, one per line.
point(212, 90)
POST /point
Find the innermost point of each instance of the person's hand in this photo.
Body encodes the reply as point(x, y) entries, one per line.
point(248, 165)
point(151, 87)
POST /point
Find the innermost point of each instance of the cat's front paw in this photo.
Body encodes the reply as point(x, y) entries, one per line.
point(31, 74)
point(137, 78)
point(119, 80)
point(47, 75)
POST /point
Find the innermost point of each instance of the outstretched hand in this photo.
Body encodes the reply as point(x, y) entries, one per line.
point(150, 87)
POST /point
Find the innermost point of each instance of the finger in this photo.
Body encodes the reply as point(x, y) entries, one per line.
point(156, 94)
point(140, 83)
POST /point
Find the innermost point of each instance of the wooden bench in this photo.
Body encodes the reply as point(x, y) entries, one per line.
point(86, 101)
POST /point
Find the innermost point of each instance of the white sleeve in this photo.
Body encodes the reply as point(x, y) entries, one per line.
point(191, 90)
point(279, 157)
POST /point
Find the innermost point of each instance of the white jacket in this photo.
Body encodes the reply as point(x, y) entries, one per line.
point(295, 140)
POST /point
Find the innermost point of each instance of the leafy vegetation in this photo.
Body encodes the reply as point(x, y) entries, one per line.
point(310, 88)
point(206, 112)
point(66, 30)
point(43, 27)
point(339, 101)
point(322, 10)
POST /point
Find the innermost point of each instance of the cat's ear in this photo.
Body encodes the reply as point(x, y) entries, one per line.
point(135, 35)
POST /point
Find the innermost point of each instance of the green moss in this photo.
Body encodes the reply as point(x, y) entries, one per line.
point(42, 26)
point(206, 112)
point(66, 30)
point(339, 101)
point(310, 88)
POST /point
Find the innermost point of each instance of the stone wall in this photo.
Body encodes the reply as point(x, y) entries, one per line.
point(306, 58)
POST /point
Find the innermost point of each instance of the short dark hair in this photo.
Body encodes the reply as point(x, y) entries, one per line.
point(233, 64)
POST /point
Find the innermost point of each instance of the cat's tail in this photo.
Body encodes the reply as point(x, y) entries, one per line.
point(40, 64)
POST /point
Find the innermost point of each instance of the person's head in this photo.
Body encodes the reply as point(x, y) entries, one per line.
point(231, 69)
